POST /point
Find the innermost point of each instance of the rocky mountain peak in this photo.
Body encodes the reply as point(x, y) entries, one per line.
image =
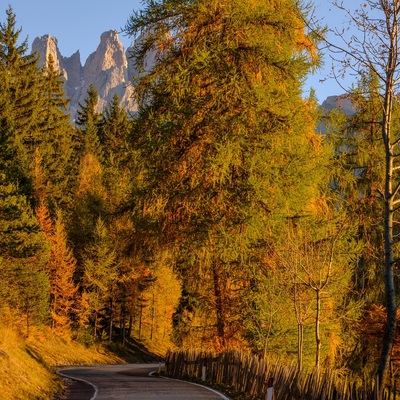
point(341, 102)
point(106, 69)
point(45, 46)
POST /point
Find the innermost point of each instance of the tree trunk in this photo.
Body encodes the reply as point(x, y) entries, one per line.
point(95, 325)
point(130, 327)
point(123, 322)
point(140, 316)
point(28, 324)
point(390, 292)
point(52, 313)
point(317, 330)
point(300, 340)
point(111, 321)
point(153, 312)
point(219, 307)
point(300, 326)
point(389, 199)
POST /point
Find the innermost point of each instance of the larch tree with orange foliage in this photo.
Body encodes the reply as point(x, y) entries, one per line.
point(61, 269)
point(229, 146)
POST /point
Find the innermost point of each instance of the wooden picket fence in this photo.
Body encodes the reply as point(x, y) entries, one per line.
point(251, 375)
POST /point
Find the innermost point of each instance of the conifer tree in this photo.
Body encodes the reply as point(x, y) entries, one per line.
point(115, 131)
point(227, 140)
point(89, 204)
point(21, 97)
point(54, 144)
point(134, 277)
point(100, 278)
point(8, 165)
point(358, 172)
point(116, 127)
point(24, 252)
point(61, 268)
point(89, 122)
point(90, 194)
point(164, 299)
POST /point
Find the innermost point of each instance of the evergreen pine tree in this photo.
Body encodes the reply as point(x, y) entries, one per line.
point(89, 123)
point(100, 278)
point(90, 194)
point(24, 252)
point(116, 129)
point(8, 165)
point(358, 172)
point(54, 145)
point(359, 175)
point(21, 98)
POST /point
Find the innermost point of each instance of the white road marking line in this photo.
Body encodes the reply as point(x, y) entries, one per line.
point(96, 391)
point(196, 384)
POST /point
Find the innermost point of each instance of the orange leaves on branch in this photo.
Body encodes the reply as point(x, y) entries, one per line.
point(61, 268)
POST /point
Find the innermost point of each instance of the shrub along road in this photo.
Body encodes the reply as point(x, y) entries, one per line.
point(131, 381)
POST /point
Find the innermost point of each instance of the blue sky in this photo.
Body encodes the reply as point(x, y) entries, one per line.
point(78, 24)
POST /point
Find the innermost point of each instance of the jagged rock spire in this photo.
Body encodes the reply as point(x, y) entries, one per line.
point(106, 69)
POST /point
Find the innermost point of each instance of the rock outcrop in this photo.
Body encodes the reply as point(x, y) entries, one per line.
point(106, 69)
point(148, 62)
point(73, 84)
point(45, 46)
point(341, 102)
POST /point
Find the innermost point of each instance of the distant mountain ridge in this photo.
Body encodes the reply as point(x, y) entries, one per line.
point(106, 69)
point(341, 102)
point(110, 70)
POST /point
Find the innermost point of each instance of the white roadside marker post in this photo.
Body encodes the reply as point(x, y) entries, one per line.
point(204, 370)
point(270, 390)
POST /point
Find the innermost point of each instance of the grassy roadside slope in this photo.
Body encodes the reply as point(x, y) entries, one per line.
point(27, 367)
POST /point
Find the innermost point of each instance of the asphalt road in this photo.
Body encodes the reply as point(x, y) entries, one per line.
point(131, 381)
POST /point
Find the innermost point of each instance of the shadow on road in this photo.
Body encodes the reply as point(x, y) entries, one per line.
point(77, 390)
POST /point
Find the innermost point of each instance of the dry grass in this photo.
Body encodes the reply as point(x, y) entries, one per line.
point(59, 350)
point(21, 375)
point(27, 365)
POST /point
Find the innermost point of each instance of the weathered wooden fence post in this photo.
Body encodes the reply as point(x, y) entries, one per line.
point(376, 397)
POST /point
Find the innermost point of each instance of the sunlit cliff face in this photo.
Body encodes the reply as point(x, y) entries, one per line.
point(106, 69)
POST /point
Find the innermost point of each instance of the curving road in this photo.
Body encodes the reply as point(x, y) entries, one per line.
point(131, 381)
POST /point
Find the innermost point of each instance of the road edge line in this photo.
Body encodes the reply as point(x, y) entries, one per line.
point(196, 384)
point(96, 390)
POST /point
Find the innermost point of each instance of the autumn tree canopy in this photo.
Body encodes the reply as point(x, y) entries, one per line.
point(228, 142)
